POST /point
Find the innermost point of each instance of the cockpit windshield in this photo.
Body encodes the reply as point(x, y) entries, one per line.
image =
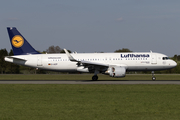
point(165, 58)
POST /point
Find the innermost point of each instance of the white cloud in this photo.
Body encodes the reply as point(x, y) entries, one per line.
point(119, 19)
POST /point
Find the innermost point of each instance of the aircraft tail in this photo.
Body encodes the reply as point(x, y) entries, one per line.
point(19, 44)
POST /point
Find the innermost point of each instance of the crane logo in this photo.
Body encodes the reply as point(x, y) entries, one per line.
point(17, 41)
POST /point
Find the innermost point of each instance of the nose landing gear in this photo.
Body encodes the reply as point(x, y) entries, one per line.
point(153, 77)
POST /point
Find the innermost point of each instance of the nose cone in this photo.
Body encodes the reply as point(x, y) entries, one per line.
point(173, 63)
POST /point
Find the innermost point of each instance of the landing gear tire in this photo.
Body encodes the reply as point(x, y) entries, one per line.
point(95, 77)
point(153, 78)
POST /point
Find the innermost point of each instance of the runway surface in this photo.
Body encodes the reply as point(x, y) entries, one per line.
point(87, 82)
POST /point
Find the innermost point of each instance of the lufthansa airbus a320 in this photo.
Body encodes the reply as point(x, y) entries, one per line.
point(112, 64)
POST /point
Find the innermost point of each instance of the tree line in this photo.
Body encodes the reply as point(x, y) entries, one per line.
point(6, 67)
point(10, 68)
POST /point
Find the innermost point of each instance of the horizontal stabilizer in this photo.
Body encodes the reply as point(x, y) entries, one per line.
point(15, 57)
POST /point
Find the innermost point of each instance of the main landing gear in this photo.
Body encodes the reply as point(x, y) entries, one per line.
point(153, 77)
point(95, 77)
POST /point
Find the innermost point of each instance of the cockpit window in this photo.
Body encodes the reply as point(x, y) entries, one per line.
point(165, 58)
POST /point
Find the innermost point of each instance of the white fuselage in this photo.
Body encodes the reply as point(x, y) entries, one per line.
point(131, 61)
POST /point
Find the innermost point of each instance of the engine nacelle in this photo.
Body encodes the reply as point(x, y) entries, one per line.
point(117, 71)
point(82, 69)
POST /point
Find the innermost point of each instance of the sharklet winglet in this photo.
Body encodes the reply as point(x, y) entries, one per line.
point(70, 56)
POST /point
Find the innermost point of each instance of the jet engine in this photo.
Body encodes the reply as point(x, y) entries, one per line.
point(82, 69)
point(117, 71)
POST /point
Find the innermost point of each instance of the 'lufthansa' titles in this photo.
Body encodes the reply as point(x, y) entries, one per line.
point(134, 55)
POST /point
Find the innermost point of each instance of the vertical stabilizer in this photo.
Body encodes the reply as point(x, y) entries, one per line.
point(19, 44)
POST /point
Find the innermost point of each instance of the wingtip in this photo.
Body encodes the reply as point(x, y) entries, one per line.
point(69, 56)
point(66, 51)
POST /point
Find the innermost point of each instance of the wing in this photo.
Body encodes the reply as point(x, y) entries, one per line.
point(94, 65)
point(86, 63)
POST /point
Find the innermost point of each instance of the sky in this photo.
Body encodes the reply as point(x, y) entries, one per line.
point(94, 25)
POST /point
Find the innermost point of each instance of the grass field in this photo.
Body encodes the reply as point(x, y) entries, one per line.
point(89, 102)
point(86, 77)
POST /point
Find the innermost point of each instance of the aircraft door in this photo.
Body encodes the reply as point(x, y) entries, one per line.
point(39, 61)
point(153, 59)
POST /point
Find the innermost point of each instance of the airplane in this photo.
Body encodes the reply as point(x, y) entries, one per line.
point(112, 64)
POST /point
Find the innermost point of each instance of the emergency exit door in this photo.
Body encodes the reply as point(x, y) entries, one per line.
point(39, 61)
